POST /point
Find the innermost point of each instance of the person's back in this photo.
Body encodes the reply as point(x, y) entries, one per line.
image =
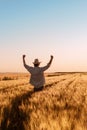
point(37, 73)
point(37, 77)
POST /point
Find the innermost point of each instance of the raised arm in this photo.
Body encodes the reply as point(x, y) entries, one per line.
point(48, 65)
point(24, 63)
point(29, 68)
point(51, 59)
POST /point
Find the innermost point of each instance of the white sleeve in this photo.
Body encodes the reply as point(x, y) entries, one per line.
point(29, 68)
point(45, 67)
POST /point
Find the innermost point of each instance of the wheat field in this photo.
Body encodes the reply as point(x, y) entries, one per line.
point(62, 105)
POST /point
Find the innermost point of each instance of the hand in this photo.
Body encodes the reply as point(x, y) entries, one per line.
point(24, 56)
point(51, 57)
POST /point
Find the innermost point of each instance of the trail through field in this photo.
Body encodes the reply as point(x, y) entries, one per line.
point(62, 105)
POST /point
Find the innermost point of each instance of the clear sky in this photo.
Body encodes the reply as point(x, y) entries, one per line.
point(40, 28)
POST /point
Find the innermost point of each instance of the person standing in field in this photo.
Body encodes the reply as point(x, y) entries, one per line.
point(37, 78)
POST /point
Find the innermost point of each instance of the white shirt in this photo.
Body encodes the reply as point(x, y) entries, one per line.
point(37, 78)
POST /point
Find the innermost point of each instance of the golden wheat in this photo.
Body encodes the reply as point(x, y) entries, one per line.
point(62, 105)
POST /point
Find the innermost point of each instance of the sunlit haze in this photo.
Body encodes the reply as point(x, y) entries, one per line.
point(40, 28)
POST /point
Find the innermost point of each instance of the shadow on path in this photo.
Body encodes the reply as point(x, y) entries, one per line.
point(13, 116)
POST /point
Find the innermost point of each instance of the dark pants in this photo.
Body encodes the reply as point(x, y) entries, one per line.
point(38, 89)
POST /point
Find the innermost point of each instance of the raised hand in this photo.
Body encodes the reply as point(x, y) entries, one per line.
point(24, 56)
point(51, 57)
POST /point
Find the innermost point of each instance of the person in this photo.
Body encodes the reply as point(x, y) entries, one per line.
point(37, 78)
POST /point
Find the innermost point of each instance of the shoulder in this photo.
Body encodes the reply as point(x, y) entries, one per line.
point(28, 67)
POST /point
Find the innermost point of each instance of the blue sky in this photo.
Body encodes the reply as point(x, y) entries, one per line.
point(39, 28)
